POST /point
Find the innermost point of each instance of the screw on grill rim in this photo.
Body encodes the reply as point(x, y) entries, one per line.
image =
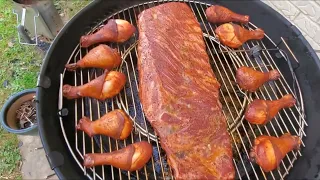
point(239, 58)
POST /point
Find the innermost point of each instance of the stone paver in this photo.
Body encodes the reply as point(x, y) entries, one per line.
point(286, 8)
point(304, 14)
point(34, 161)
point(308, 26)
point(309, 8)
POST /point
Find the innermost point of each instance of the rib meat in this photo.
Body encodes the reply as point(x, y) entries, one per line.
point(180, 94)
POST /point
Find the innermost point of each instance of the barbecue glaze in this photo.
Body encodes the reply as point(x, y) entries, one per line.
point(220, 14)
point(180, 94)
point(105, 86)
point(131, 158)
point(268, 151)
point(101, 56)
point(116, 124)
point(250, 79)
point(262, 111)
point(234, 36)
point(116, 30)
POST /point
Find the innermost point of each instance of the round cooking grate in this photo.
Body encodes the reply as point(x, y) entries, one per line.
point(234, 99)
point(224, 62)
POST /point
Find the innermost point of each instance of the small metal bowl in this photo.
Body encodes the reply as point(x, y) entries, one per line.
point(8, 113)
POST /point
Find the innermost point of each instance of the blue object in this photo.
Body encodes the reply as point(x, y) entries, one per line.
point(32, 130)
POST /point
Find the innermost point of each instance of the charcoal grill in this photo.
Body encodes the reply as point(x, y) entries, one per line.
point(277, 50)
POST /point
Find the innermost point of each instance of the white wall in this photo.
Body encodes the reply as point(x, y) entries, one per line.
point(305, 14)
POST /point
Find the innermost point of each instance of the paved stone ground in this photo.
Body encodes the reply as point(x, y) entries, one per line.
point(305, 14)
point(34, 161)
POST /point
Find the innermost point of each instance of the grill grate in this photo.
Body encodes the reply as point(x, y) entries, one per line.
point(224, 62)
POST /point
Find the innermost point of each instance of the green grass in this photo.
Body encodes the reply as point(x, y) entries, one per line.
point(70, 8)
point(9, 156)
point(19, 66)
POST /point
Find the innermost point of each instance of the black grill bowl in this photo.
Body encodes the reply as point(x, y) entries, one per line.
point(276, 26)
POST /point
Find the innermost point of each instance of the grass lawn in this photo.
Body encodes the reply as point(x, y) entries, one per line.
point(19, 67)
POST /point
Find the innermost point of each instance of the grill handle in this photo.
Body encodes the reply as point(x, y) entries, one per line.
point(22, 34)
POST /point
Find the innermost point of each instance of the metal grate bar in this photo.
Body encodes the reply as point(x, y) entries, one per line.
point(224, 62)
point(211, 54)
point(268, 131)
point(284, 124)
point(294, 154)
point(282, 80)
point(276, 120)
point(223, 96)
point(158, 148)
point(90, 116)
point(152, 160)
point(110, 145)
point(100, 137)
point(274, 93)
point(82, 114)
point(265, 127)
point(132, 141)
point(271, 123)
point(279, 90)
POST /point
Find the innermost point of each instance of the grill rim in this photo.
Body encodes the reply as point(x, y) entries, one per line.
point(230, 53)
point(49, 113)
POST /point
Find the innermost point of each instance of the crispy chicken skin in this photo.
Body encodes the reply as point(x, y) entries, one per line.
point(268, 151)
point(220, 14)
point(262, 111)
point(250, 79)
point(131, 158)
point(105, 86)
point(234, 36)
point(101, 56)
point(116, 30)
point(116, 124)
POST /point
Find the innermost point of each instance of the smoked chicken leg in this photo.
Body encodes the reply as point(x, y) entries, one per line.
point(116, 30)
point(220, 14)
point(268, 151)
point(130, 158)
point(116, 124)
point(101, 56)
point(105, 86)
point(262, 111)
point(234, 36)
point(250, 79)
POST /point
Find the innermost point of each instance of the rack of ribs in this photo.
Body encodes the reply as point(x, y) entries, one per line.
point(180, 94)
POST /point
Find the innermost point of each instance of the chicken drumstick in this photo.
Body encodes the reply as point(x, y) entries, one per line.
point(220, 14)
point(116, 30)
point(262, 111)
point(116, 124)
point(105, 86)
point(234, 36)
point(268, 151)
point(101, 56)
point(250, 79)
point(130, 158)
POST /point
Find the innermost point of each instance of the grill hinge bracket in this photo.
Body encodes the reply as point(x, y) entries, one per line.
point(63, 112)
point(55, 159)
point(44, 82)
point(255, 51)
